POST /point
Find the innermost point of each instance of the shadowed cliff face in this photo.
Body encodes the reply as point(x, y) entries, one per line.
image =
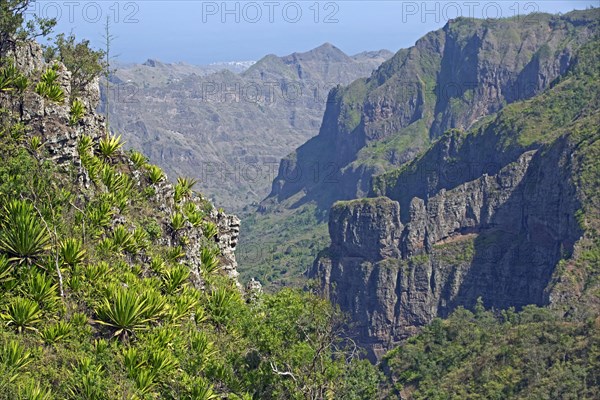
point(451, 78)
point(495, 212)
point(498, 237)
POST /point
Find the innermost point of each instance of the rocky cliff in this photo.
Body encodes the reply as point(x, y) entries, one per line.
point(502, 211)
point(60, 142)
point(450, 78)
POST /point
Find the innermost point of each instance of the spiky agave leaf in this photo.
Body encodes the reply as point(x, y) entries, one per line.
point(23, 237)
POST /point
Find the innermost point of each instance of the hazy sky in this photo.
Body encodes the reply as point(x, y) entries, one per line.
point(202, 32)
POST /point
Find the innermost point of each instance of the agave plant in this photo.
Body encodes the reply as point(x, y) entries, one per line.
point(56, 332)
point(24, 237)
point(22, 313)
point(189, 208)
point(35, 143)
point(141, 239)
point(85, 145)
point(6, 269)
point(220, 304)
point(183, 307)
point(138, 159)
point(210, 229)
point(155, 304)
point(100, 215)
point(155, 174)
point(144, 380)
point(174, 277)
point(122, 239)
point(174, 254)
point(49, 76)
point(125, 311)
point(177, 221)
point(88, 384)
point(77, 112)
point(162, 362)
point(183, 188)
point(50, 91)
point(32, 390)
point(201, 390)
point(72, 252)
point(21, 83)
point(157, 264)
point(79, 319)
point(109, 145)
point(196, 218)
point(15, 358)
point(114, 181)
point(8, 75)
point(93, 272)
point(209, 260)
point(40, 288)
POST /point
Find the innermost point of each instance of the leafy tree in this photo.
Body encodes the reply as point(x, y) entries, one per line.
point(15, 28)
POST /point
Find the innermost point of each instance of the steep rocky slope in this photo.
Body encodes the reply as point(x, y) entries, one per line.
point(450, 79)
point(60, 140)
point(230, 129)
point(507, 211)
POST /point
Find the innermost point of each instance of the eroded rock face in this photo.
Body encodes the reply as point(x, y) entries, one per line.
point(368, 228)
point(498, 237)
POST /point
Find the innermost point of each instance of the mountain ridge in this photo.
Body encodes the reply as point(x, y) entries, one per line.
point(271, 107)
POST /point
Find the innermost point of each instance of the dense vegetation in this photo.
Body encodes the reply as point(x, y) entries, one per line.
point(100, 299)
point(278, 248)
point(533, 354)
point(97, 304)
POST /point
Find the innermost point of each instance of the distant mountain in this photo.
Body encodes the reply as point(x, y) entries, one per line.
point(229, 124)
